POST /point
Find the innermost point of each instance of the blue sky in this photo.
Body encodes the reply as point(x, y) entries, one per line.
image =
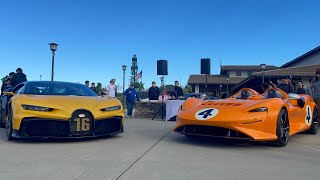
point(96, 37)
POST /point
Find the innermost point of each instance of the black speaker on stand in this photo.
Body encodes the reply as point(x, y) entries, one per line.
point(205, 69)
point(162, 69)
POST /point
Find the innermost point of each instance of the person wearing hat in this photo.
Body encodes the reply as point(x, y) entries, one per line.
point(131, 95)
point(112, 88)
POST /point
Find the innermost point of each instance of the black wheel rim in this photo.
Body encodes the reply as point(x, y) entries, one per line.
point(315, 119)
point(284, 128)
point(9, 129)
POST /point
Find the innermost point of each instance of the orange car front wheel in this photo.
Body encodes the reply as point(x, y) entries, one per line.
point(283, 129)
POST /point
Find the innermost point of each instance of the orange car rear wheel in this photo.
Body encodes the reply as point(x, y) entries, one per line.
point(314, 125)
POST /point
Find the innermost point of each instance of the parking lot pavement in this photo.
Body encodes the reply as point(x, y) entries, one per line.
point(150, 150)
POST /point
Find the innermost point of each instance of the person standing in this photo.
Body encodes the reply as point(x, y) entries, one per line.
point(310, 89)
point(93, 87)
point(131, 95)
point(112, 88)
point(178, 91)
point(285, 85)
point(291, 87)
point(317, 91)
point(300, 89)
point(87, 83)
point(18, 77)
point(153, 92)
point(261, 88)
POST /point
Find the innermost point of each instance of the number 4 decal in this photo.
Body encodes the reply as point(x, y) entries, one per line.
point(207, 113)
point(308, 118)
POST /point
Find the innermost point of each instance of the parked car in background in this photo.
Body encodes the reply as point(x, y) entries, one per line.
point(193, 95)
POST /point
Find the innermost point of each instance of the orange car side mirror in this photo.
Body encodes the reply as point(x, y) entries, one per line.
point(293, 102)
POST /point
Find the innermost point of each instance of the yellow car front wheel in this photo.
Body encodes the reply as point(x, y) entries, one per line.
point(10, 128)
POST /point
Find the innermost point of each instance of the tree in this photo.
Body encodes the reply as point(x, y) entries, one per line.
point(187, 89)
point(4, 78)
point(99, 87)
point(120, 88)
point(139, 86)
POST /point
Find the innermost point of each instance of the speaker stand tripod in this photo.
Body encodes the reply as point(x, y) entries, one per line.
point(161, 108)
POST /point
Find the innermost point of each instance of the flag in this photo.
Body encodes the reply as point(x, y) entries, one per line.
point(139, 76)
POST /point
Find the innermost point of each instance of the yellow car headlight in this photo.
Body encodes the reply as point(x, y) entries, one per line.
point(36, 108)
point(111, 108)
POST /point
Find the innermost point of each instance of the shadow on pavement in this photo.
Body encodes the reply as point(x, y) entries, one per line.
point(219, 142)
point(62, 140)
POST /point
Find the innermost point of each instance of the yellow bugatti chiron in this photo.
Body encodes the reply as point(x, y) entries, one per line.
point(44, 109)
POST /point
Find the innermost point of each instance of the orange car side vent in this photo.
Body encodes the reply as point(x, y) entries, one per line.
point(220, 104)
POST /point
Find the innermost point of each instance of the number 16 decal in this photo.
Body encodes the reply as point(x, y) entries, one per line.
point(207, 113)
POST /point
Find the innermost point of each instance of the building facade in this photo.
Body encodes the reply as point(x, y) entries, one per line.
point(220, 85)
point(234, 77)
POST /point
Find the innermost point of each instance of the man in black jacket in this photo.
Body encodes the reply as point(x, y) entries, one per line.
point(93, 87)
point(153, 92)
point(286, 86)
point(301, 89)
point(18, 78)
point(178, 90)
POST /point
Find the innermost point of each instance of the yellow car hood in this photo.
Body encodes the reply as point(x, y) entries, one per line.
point(70, 102)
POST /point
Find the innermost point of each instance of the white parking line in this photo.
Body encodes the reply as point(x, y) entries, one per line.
point(312, 148)
point(307, 146)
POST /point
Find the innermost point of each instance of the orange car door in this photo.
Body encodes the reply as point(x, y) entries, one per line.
point(297, 117)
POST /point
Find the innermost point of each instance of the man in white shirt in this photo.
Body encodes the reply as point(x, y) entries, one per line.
point(112, 88)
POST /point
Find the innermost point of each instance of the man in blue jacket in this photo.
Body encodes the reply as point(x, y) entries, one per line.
point(131, 95)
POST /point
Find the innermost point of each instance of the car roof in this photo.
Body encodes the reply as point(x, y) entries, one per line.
point(50, 82)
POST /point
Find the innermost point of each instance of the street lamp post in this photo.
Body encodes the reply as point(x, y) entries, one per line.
point(220, 96)
point(227, 88)
point(53, 48)
point(124, 67)
point(263, 67)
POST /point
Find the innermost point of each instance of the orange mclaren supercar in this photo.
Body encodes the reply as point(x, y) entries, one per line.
point(272, 116)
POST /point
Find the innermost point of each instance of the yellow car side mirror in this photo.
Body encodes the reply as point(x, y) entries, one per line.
point(9, 93)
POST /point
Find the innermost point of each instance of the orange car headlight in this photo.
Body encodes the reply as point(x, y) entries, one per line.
point(261, 109)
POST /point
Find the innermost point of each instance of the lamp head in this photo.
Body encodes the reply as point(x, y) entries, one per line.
point(53, 47)
point(124, 67)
